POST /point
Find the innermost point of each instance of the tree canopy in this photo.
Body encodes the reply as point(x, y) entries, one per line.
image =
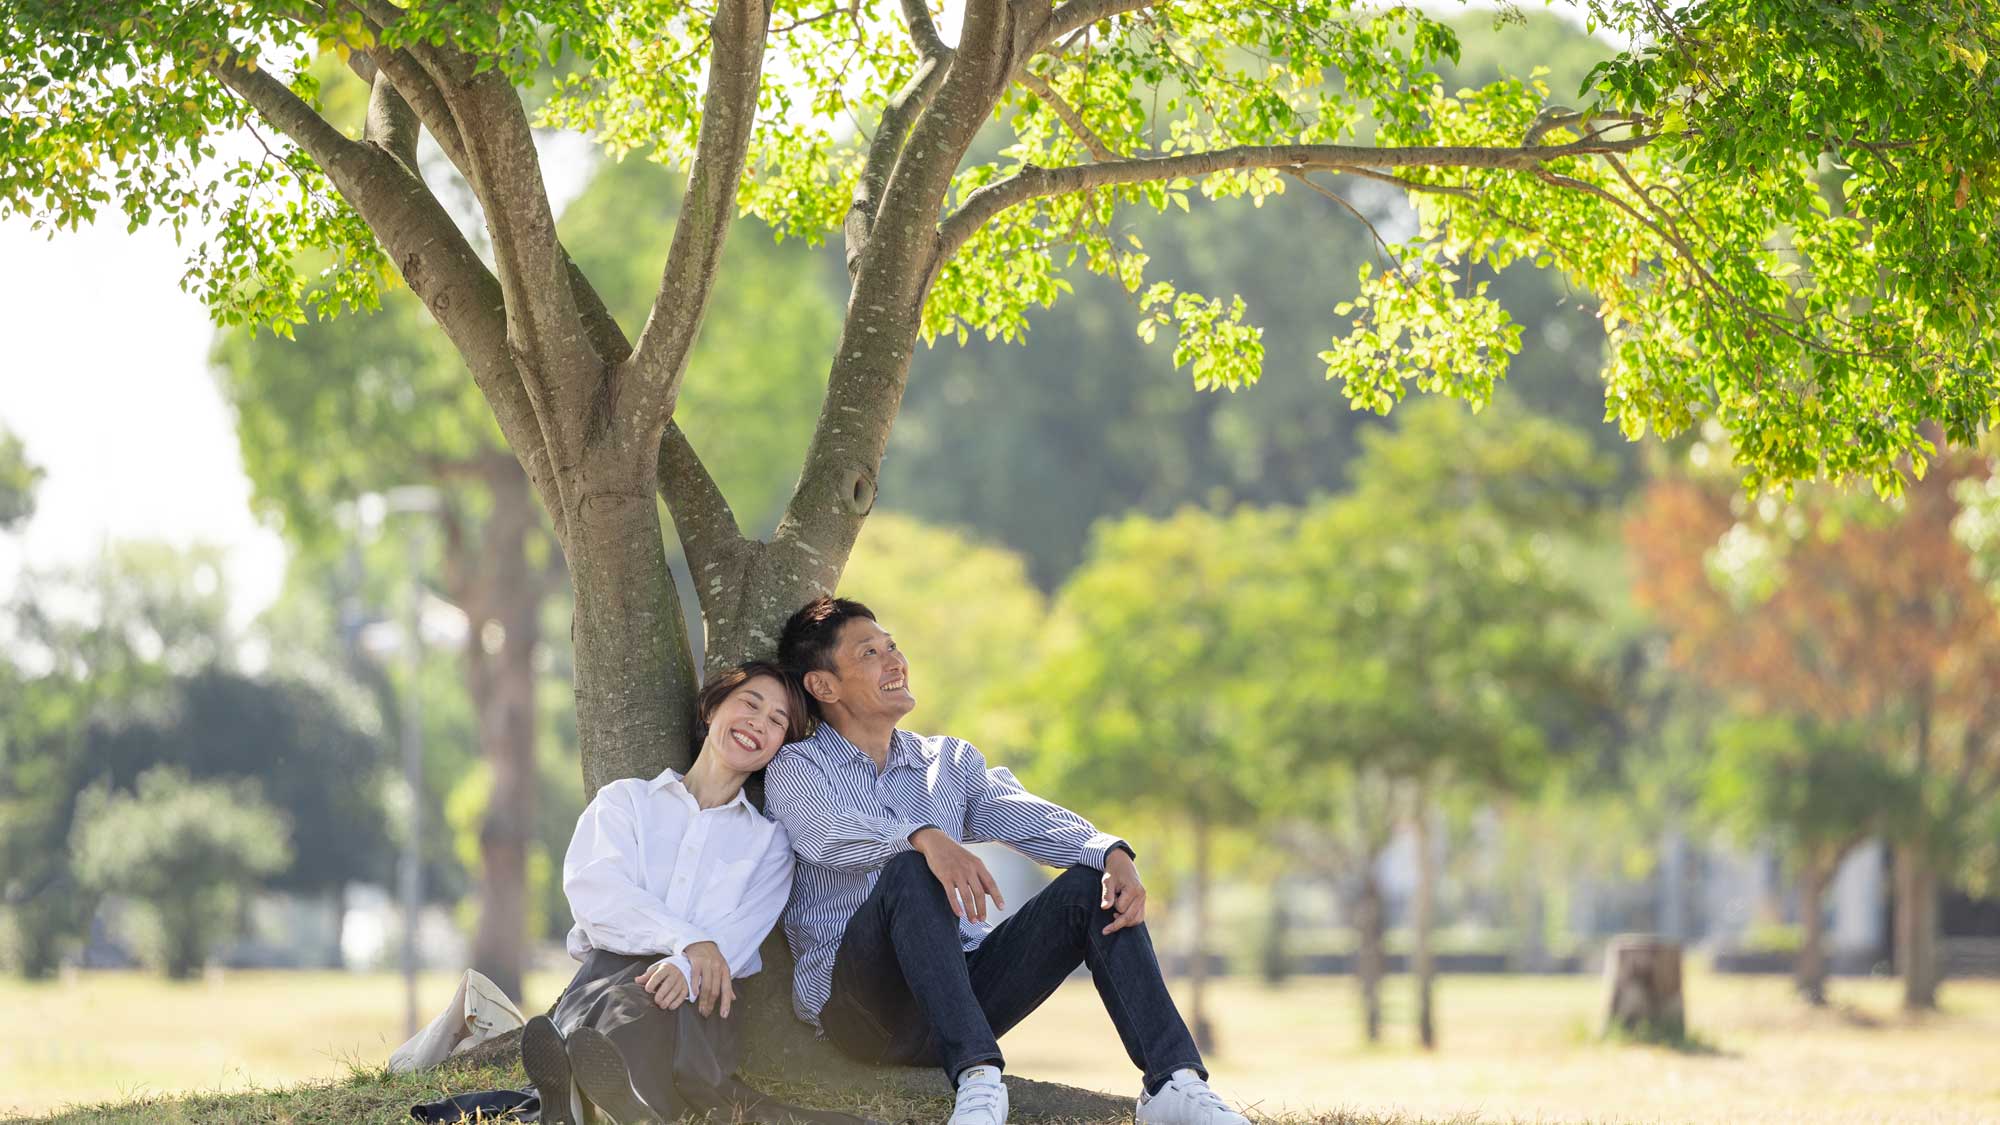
point(1783, 209)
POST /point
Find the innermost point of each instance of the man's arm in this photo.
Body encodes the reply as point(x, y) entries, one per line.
point(825, 832)
point(606, 892)
point(999, 810)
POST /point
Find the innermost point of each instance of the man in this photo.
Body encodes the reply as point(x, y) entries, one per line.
point(887, 920)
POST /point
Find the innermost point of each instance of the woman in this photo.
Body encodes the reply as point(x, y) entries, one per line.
point(674, 882)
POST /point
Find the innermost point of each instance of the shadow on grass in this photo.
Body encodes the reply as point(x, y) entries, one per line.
point(1680, 1041)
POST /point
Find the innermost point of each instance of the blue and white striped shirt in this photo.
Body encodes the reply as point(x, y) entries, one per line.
point(845, 822)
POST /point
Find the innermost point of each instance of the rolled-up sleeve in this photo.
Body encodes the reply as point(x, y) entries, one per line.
point(823, 832)
point(606, 893)
point(999, 810)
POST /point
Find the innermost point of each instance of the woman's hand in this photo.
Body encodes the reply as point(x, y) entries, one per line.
point(664, 980)
point(711, 983)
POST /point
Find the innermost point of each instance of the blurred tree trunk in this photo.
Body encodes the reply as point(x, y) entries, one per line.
point(336, 902)
point(492, 578)
point(1204, 1034)
point(1917, 930)
point(1810, 973)
point(1368, 956)
point(1420, 923)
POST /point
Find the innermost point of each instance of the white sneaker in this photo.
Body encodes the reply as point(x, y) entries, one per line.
point(982, 1097)
point(1186, 1100)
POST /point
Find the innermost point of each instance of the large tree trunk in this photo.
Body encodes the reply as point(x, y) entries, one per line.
point(1917, 930)
point(504, 616)
point(635, 678)
point(1810, 973)
point(1424, 966)
point(1369, 962)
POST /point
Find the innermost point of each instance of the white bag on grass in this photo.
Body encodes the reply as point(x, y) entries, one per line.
point(478, 1011)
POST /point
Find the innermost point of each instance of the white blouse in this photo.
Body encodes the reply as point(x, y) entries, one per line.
point(650, 871)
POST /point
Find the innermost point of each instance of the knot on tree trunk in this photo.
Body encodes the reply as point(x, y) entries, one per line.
point(858, 494)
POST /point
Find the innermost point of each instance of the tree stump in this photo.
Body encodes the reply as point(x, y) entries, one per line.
point(1642, 979)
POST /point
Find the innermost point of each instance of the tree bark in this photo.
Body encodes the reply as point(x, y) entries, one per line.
point(1917, 930)
point(1424, 966)
point(1204, 1034)
point(1810, 973)
point(635, 680)
point(1368, 956)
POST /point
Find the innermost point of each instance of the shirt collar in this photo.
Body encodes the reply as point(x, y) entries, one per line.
point(669, 778)
point(904, 748)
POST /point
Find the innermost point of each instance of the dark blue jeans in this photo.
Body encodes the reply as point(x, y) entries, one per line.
point(904, 992)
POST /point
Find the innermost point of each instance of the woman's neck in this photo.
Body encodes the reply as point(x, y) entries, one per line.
point(713, 784)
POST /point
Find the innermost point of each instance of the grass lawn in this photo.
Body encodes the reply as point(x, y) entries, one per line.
point(1513, 1048)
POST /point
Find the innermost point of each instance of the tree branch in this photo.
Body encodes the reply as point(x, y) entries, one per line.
point(427, 248)
point(1036, 183)
point(904, 107)
point(391, 122)
point(702, 517)
point(1070, 117)
point(703, 520)
point(425, 97)
point(544, 330)
point(650, 381)
point(1079, 14)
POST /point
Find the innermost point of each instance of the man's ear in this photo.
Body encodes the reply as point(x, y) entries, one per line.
point(822, 685)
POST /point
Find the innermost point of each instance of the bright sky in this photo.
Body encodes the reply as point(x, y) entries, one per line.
point(105, 378)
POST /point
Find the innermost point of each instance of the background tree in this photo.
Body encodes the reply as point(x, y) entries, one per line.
point(965, 612)
point(302, 757)
point(1033, 442)
point(81, 641)
point(1814, 791)
point(19, 478)
point(1859, 615)
point(1435, 632)
point(1143, 680)
point(185, 852)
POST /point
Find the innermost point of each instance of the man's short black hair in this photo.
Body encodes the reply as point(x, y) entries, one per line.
point(809, 637)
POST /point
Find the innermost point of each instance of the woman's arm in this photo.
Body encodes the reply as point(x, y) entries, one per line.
point(606, 893)
point(740, 932)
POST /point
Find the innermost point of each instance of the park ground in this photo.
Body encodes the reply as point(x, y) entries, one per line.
point(1513, 1049)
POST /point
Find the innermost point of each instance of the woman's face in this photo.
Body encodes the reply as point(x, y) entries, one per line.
point(748, 727)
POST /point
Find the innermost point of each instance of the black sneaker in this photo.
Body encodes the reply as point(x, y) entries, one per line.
point(600, 1074)
point(547, 1064)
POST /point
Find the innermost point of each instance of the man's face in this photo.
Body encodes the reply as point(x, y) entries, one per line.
point(870, 677)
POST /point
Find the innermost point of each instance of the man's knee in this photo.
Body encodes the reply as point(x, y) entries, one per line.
point(1079, 884)
point(905, 869)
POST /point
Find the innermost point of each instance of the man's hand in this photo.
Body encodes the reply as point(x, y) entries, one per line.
point(711, 983)
point(1124, 894)
point(965, 879)
point(664, 980)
